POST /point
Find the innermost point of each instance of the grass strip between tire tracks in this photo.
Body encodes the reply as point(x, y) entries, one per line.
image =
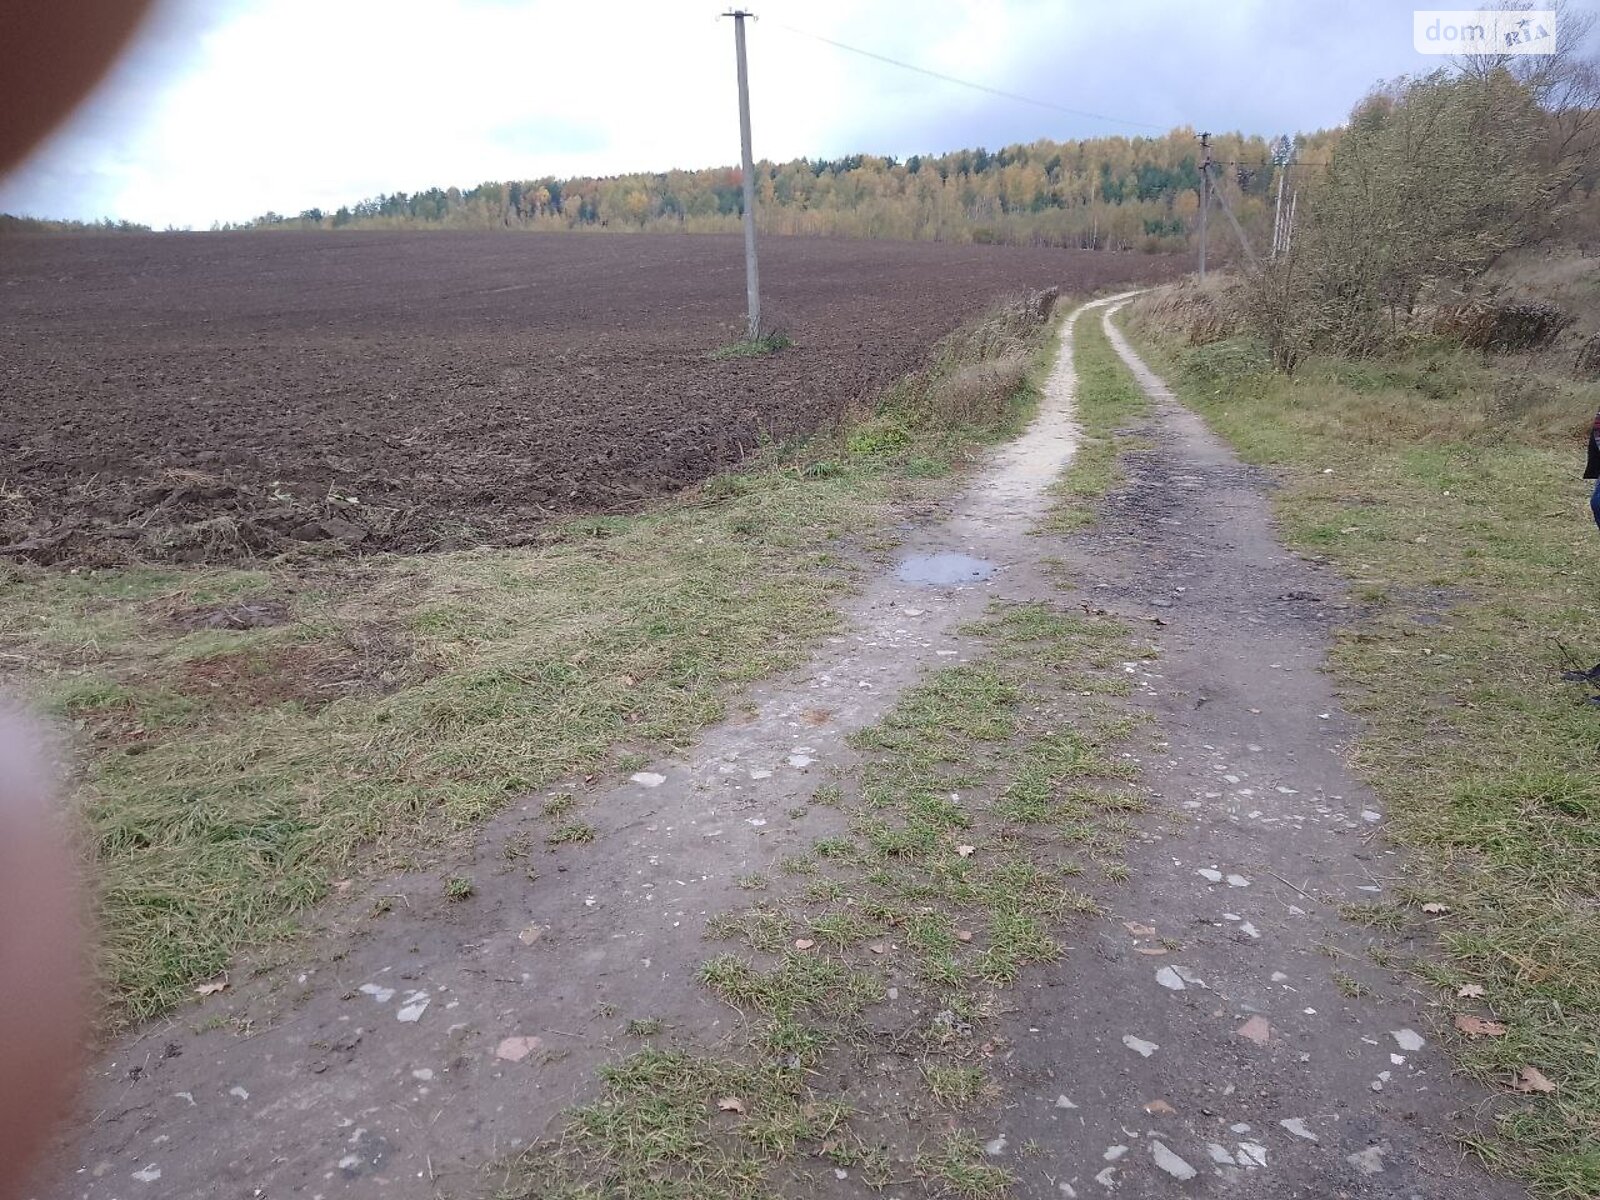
point(988, 801)
point(990, 798)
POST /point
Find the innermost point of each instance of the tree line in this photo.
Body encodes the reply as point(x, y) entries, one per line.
point(14, 224)
point(1111, 193)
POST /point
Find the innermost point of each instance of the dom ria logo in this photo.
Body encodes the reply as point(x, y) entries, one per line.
point(1484, 31)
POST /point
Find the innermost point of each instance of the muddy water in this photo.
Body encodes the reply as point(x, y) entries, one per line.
point(943, 569)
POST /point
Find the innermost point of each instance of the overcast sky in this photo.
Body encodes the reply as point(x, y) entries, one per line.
point(228, 108)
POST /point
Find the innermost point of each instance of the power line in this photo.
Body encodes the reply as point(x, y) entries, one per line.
point(967, 83)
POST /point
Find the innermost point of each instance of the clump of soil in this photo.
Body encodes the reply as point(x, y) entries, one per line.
point(262, 612)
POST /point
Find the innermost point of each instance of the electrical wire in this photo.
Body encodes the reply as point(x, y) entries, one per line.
point(967, 83)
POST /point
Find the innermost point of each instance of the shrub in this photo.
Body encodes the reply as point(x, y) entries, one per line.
point(1434, 179)
point(1587, 364)
point(973, 381)
point(1504, 326)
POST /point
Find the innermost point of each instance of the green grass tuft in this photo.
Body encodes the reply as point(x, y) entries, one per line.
point(758, 347)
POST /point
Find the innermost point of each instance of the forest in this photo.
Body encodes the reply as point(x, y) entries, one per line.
point(1111, 193)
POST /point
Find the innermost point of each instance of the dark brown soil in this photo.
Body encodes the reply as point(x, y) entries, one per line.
point(215, 397)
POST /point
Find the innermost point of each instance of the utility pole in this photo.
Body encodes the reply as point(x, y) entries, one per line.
point(1282, 157)
point(1277, 213)
point(752, 277)
point(1205, 196)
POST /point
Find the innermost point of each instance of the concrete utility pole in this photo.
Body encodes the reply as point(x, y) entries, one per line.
point(1205, 196)
point(1283, 155)
point(1277, 216)
point(752, 277)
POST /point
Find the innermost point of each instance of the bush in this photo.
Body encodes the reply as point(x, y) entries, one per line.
point(1587, 364)
point(1432, 181)
point(973, 382)
point(1505, 326)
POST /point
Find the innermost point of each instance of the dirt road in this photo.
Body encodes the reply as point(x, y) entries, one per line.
point(1295, 1066)
point(1219, 1031)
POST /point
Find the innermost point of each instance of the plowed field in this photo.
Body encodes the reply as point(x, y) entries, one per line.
point(217, 397)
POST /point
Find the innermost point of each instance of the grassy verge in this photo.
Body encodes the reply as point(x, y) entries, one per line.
point(1445, 489)
point(1106, 402)
point(989, 798)
point(246, 736)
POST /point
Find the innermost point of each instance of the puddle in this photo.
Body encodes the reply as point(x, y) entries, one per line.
point(943, 568)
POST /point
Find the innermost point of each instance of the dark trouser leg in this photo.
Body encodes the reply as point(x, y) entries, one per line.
point(1594, 503)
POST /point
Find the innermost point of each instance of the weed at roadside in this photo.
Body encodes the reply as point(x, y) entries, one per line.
point(756, 347)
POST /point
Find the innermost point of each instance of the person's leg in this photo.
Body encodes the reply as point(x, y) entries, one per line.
point(1594, 503)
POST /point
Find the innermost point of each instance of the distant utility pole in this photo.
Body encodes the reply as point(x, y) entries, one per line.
point(1282, 157)
point(752, 277)
point(1227, 209)
point(1277, 217)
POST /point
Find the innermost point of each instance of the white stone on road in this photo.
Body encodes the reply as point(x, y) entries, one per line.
point(1170, 1162)
point(1297, 1126)
point(1368, 1161)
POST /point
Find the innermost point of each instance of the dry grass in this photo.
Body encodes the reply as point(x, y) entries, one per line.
point(1559, 274)
point(976, 373)
point(977, 393)
point(1195, 312)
